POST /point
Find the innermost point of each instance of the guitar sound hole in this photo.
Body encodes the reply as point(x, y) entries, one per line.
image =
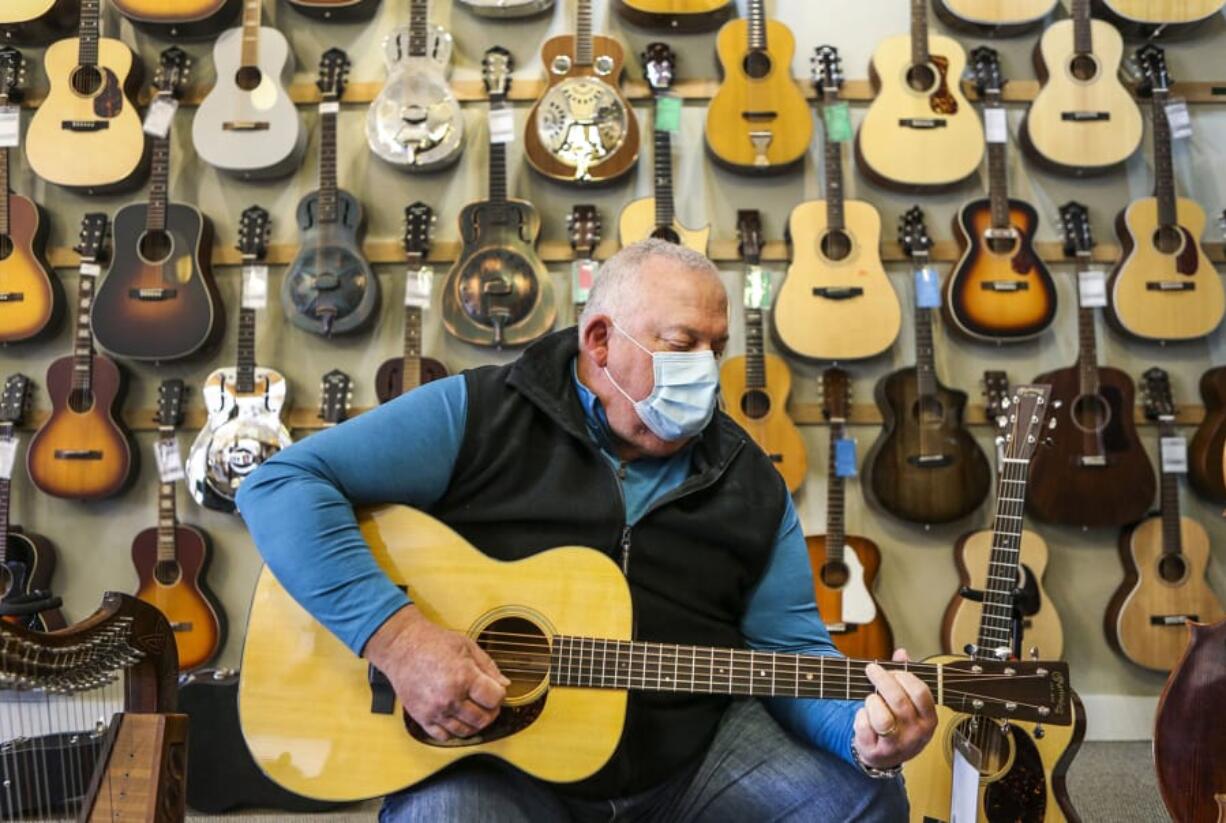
point(835, 574)
point(1172, 568)
point(248, 78)
point(1084, 67)
point(1168, 239)
point(994, 742)
point(756, 404)
point(6, 246)
point(167, 572)
point(86, 80)
point(520, 650)
point(929, 411)
point(80, 401)
point(921, 78)
point(757, 64)
point(156, 246)
point(667, 233)
point(836, 245)
point(1090, 413)
point(1002, 245)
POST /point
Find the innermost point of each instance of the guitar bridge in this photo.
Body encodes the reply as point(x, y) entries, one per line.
point(1091, 461)
point(85, 126)
point(12, 297)
point(1004, 285)
point(1172, 619)
point(922, 122)
point(181, 626)
point(838, 292)
point(245, 125)
point(1168, 285)
point(1085, 116)
point(78, 454)
point(152, 295)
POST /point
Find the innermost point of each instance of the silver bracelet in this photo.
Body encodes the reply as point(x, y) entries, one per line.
point(873, 771)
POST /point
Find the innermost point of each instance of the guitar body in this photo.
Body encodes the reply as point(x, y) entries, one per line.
point(24, 271)
point(677, 15)
point(330, 273)
point(1000, 290)
point(389, 380)
point(185, 19)
point(638, 222)
point(1146, 16)
point(938, 491)
point(29, 567)
point(1157, 585)
point(997, 17)
point(38, 22)
point(846, 324)
point(844, 594)
point(107, 156)
point(180, 592)
point(1109, 129)
point(104, 464)
point(158, 301)
point(1135, 306)
point(277, 147)
point(336, 11)
point(1061, 489)
point(1025, 781)
point(1207, 451)
point(782, 111)
point(897, 145)
point(561, 735)
point(1040, 621)
point(762, 413)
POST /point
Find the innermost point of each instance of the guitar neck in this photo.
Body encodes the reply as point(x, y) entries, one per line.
point(757, 25)
point(87, 54)
point(834, 175)
point(1087, 340)
point(1164, 171)
point(1172, 537)
point(159, 185)
point(327, 167)
point(1083, 41)
point(755, 349)
point(919, 32)
point(167, 517)
point(584, 54)
point(8, 431)
point(245, 377)
point(998, 175)
point(498, 164)
point(83, 343)
point(5, 227)
point(925, 358)
point(419, 27)
point(835, 536)
point(665, 207)
point(411, 368)
point(250, 51)
point(996, 620)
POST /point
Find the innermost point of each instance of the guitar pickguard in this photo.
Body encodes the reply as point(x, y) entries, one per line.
point(941, 100)
point(1020, 794)
point(108, 102)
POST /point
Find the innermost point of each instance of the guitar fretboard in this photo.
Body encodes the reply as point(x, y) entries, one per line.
point(919, 32)
point(5, 227)
point(757, 25)
point(998, 174)
point(159, 184)
point(1087, 339)
point(498, 161)
point(583, 35)
point(1083, 39)
point(83, 342)
point(1164, 172)
point(925, 365)
point(419, 27)
point(996, 618)
point(87, 54)
point(167, 519)
point(665, 207)
point(327, 165)
point(1172, 537)
point(835, 531)
point(834, 173)
point(250, 51)
point(411, 366)
point(245, 373)
point(8, 431)
point(755, 357)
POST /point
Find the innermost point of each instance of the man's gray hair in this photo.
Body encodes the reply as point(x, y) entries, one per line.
point(615, 286)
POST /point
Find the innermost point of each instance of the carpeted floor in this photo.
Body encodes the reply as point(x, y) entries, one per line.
point(1109, 783)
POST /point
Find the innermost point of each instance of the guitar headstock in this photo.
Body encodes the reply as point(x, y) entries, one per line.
point(174, 67)
point(996, 398)
point(15, 400)
point(985, 64)
point(12, 74)
point(418, 223)
point(1075, 223)
point(583, 227)
point(91, 242)
point(336, 392)
point(1034, 691)
point(659, 63)
point(1024, 430)
point(836, 395)
point(1156, 389)
point(913, 235)
point(170, 403)
point(496, 68)
point(333, 74)
point(254, 228)
point(827, 71)
point(1155, 78)
point(749, 234)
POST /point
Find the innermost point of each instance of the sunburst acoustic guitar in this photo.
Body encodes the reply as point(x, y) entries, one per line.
point(180, 19)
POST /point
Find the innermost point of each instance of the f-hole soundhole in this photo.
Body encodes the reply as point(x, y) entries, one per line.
point(757, 64)
point(86, 80)
point(836, 245)
point(155, 246)
point(929, 411)
point(835, 574)
point(1090, 413)
point(666, 233)
point(1168, 239)
point(756, 404)
point(1172, 568)
point(167, 572)
point(992, 740)
point(248, 78)
point(921, 78)
point(6, 246)
point(1084, 67)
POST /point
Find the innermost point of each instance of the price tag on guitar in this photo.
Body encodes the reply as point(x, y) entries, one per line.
point(10, 127)
point(757, 288)
point(502, 126)
point(668, 113)
point(582, 276)
point(160, 115)
point(170, 462)
point(8, 455)
point(330, 107)
point(927, 288)
point(255, 287)
point(1178, 118)
point(964, 792)
point(837, 118)
point(418, 287)
point(995, 126)
point(845, 457)
point(1174, 454)
point(1092, 289)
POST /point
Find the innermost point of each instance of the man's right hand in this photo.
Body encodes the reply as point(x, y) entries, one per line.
point(445, 681)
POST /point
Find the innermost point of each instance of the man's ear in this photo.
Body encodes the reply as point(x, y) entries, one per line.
point(595, 339)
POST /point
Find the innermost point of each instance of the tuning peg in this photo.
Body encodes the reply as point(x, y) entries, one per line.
point(1057, 404)
point(1051, 424)
point(1034, 652)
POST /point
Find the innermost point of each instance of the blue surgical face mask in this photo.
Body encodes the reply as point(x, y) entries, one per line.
point(682, 402)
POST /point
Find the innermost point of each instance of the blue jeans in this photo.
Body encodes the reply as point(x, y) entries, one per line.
point(754, 772)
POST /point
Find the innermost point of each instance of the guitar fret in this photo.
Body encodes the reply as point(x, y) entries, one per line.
point(665, 208)
point(998, 176)
point(1082, 32)
point(583, 34)
point(755, 357)
point(757, 25)
point(327, 167)
point(5, 229)
point(834, 173)
point(418, 27)
point(919, 32)
point(250, 50)
point(89, 32)
point(155, 220)
point(1164, 172)
point(835, 537)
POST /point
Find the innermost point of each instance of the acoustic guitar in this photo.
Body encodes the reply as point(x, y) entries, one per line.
point(683, 16)
point(38, 22)
point(925, 466)
point(1165, 558)
point(87, 134)
point(547, 621)
point(758, 122)
point(1164, 286)
point(656, 216)
point(755, 386)
point(919, 133)
point(171, 559)
point(845, 567)
point(1023, 765)
point(1034, 614)
point(182, 19)
point(82, 450)
point(996, 18)
point(1207, 451)
point(583, 227)
point(335, 396)
point(400, 375)
point(247, 125)
point(498, 292)
point(1149, 18)
point(31, 303)
point(1096, 472)
point(330, 288)
point(158, 300)
point(1000, 291)
point(27, 560)
point(582, 129)
point(1083, 120)
point(336, 11)
point(505, 8)
point(837, 302)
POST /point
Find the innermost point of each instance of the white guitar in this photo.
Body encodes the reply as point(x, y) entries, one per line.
point(248, 125)
point(415, 123)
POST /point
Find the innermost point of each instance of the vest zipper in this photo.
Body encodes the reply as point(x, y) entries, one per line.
point(626, 550)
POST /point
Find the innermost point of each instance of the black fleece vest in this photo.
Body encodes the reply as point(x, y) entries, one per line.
point(528, 478)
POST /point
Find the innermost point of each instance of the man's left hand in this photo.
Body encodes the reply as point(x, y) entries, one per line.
point(896, 722)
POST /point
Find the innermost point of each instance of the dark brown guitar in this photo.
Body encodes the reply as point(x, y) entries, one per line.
point(1096, 472)
point(1207, 451)
point(390, 380)
point(925, 466)
point(583, 227)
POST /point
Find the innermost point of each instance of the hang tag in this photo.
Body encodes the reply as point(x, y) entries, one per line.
point(418, 287)
point(845, 457)
point(964, 792)
point(255, 287)
point(1178, 118)
point(995, 126)
point(668, 113)
point(837, 117)
point(10, 127)
point(582, 276)
point(170, 463)
point(161, 113)
point(91, 269)
point(757, 288)
point(8, 456)
point(927, 288)
point(502, 125)
point(1174, 454)
point(1092, 289)
point(330, 107)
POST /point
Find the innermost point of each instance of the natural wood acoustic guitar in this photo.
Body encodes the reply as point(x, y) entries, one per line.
point(681, 16)
point(1207, 451)
point(37, 22)
point(180, 19)
point(1146, 18)
point(997, 18)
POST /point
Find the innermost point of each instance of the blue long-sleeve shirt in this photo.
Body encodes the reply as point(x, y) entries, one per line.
point(298, 507)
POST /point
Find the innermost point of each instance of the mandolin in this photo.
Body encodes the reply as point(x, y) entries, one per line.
point(1164, 286)
point(87, 134)
point(683, 16)
point(38, 22)
point(1096, 472)
point(758, 122)
point(656, 216)
point(244, 403)
point(1165, 558)
point(390, 381)
point(336, 11)
point(1023, 765)
point(1000, 291)
point(925, 466)
point(498, 292)
point(183, 19)
point(845, 566)
point(31, 303)
point(505, 8)
point(583, 227)
point(1083, 120)
point(330, 288)
point(919, 133)
point(415, 123)
point(996, 18)
point(27, 560)
point(82, 451)
point(582, 129)
point(158, 300)
point(547, 621)
point(1150, 18)
point(247, 125)
point(975, 559)
point(755, 386)
point(171, 559)
point(1207, 452)
point(837, 302)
